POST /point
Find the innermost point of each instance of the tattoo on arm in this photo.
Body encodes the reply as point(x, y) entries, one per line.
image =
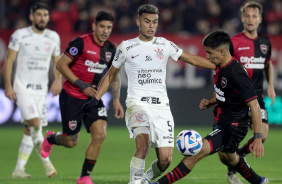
point(115, 87)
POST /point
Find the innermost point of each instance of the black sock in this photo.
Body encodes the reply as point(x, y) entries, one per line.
point(87, 167)
point(177, 173)
point(231, 171)
point(246, 171)
point(51, 138)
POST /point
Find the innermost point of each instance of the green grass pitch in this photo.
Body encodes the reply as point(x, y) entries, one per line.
point(112, 166)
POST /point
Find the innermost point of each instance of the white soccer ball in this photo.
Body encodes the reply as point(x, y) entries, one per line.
point(189, 142)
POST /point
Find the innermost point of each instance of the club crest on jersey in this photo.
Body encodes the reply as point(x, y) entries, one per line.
point(73, 124)
point(223, 82)
point(263, 48)
point(160, 54)
point(108, 56)
point(47, 46)
point(139, 117)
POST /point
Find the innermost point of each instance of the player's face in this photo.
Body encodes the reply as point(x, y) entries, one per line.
point(102, 31)
point(214, 56)
point(148, 24)
point(251, 19)
point(40, 19)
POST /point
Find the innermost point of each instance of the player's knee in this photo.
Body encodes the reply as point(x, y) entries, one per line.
point(99, 137)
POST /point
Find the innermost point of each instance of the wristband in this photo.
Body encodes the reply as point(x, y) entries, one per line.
point(257, 135)
point(81, 85)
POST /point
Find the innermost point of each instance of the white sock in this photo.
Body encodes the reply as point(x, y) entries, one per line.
point(37, 138)
point(137, 167)
point(25, 150)
point(153, 172)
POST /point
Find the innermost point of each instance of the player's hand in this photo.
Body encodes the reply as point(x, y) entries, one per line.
point(256, 148)
point(204, 104)
point(10, 93)
point(271, 94)
point(88, 106)
point(56, 87)
point(90, 91)
point(119, 112)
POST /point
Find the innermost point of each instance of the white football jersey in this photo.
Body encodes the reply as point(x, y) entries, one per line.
point(145, 65)
point(33, 59)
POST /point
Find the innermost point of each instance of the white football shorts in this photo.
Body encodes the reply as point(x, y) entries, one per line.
point(159, 122)
point(32, 106)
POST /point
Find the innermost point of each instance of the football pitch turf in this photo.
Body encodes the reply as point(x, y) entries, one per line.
point(112, 166)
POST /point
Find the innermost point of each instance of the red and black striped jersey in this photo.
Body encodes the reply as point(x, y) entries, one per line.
point(90, 60)
point(234, 90)
point(253, 54)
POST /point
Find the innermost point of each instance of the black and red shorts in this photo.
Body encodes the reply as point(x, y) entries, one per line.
point(226, 137)
point(73, 116)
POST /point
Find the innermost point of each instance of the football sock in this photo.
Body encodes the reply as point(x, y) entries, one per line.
point(137, 167)
point(87, 167)
point(153, 172)
point(231, 171)
point(180, 171)
point(51, 138)
point(25, 150)
point(36, 134)
point(246, 171)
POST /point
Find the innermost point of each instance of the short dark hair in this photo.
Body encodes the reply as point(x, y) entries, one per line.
point(102, 15)
point(38, 5)
point(147, 8)
point(216, 39)
point(252, 4)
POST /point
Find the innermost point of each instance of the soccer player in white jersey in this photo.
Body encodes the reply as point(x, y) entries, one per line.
point(32, 47)
point(148, 116)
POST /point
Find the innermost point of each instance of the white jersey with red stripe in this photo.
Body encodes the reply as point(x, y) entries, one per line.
point(33, 59)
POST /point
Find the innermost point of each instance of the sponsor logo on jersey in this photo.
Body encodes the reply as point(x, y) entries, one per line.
point(72, 124)
point(91, 52)
point(223, 82)
point(119, 52)
point(219, 94)
point(73, 51)
point(34, 86)
point(139, 117)
point(176, 48)
point(108, 56)
point(47, 46)
point(151, 100)
point(159, 53)
point(95, 67)
point(148, 58)
point(243, 48)
point(158, 43)
point(263, 48)
point(131, 46)
point(253, 62)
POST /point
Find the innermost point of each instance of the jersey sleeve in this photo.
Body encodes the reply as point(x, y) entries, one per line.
point(242, 83)
point(174, 50)
point(15, 41)
point(74, 48)
point(57, 50)
point(119, 58)
point(112, 58)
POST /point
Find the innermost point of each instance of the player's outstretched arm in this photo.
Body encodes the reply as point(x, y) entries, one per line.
point(196, 60)
point(56, 86)
point(8, 67)
point(269, 76)
point(256, 147)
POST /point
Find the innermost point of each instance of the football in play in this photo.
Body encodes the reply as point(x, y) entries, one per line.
point(189, 142)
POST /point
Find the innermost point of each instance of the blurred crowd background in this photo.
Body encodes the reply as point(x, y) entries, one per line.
point(195, 17)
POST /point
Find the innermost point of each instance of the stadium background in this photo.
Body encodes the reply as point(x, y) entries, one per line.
point(185, 22)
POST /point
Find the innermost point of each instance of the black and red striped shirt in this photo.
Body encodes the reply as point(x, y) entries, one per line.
point(253, 54)
point(234, 90)
point(90, 60)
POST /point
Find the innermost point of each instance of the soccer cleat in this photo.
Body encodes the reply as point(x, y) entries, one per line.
point(84, 180)
point(50, 170)
point(233, 179)
point(46, 147)
point(264, 180)
point(20, 173)
point(145, 181)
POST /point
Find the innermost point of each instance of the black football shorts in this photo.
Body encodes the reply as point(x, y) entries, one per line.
point(227, 137)
point(73, 116)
